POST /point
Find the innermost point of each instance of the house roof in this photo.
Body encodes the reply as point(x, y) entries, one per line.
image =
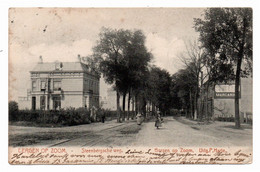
point(65, 66)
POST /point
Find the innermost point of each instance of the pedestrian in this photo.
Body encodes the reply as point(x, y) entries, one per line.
point(139, 119)
point(93, 112)
point(103, 116)
point(158, 121)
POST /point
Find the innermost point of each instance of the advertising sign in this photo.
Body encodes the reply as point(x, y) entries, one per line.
point(225, 91)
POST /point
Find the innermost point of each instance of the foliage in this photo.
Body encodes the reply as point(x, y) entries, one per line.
point(174, 112)
point(184, 84)
point(67, 117)
point(225, 119)
point(123, 60)
point(225, 32)
point(226, 36)
point(13, 110)
point(64, 117)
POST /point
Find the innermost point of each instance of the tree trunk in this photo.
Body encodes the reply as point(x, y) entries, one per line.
point(195, 105)
point(124, 96)
point(196, 99)
point(133, 108)
point(136, 105)
point(128, 105)
point(237, 81)
point(144, 108)
point(237, 84)
point(207, 96)
point(191, 113)
point(153, 109)
point(118, 106)
point(201, 98)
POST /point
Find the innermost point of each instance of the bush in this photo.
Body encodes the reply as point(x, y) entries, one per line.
point(174, 112)
point(13, 110)
point(225, 119)
point(109, 115)
point(67, 117)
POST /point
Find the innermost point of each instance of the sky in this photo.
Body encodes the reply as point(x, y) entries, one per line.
point(63, 33)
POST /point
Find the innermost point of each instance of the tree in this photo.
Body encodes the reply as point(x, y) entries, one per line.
point(226, 33)
point(192, 59)
point(110, 48)
point(123, 59)
point(136, 58)
point(184, 82)
point(13, 110)
point(158, 88)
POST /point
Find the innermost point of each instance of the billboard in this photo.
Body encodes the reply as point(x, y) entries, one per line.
point(225, 91)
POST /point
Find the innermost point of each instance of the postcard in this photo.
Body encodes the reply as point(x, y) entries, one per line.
point(130, 86)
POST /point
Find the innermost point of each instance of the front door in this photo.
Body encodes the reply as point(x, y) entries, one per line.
point(33, 103)
point(42, 102)
point(56, 103)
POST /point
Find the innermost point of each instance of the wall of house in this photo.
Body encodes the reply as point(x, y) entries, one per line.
point(226, 107)
point(72, 101)
point(24, 103)
point(72, 84)
point(91, 90)
point(37, 101)
point(91, 82)
point(75, 86)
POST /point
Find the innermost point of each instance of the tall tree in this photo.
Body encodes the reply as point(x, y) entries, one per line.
point(227, 33)
point(192, 58)
point(137, 59)
point(158, 89)
point(124, 60)
point(185, 85)
point(110, 48)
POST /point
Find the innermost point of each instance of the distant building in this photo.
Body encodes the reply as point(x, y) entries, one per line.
point(62, 84)
point(109, 102)
point(221, 100)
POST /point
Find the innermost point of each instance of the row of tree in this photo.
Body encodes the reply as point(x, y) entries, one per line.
point(225, 42)
point(124, 61)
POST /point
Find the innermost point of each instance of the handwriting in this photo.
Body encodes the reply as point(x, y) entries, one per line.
point(128, 156)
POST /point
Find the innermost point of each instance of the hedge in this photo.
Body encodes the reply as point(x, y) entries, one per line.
point(67, 117)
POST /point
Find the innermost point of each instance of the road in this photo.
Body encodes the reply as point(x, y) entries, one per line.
point(186, 133)
point(177, 132)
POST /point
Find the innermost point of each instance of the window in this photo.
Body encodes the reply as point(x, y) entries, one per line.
point(33, 85)
point(56, 85)
point(42, 102)
point(43, 85)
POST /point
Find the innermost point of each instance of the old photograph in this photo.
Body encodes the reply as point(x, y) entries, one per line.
point(130, 86)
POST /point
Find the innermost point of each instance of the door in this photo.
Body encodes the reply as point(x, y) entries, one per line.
point(42, 102)
point(56, 103)
point(33, 103)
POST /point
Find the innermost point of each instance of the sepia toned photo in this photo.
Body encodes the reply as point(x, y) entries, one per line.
point(130, 86)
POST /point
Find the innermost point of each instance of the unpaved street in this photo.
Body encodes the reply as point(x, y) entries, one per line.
point(178, 132)
point(186, 133)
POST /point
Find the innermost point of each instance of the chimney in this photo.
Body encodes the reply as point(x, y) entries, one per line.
point(79, 58)
point(40, 59)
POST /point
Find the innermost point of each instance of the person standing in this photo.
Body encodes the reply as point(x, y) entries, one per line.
point(158, 121)
point(103, 116)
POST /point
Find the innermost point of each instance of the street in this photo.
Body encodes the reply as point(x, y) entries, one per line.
point(176, 132)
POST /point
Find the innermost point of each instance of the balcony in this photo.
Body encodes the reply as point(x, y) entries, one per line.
point(57, 91)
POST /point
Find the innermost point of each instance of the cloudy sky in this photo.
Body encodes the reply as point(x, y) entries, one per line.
point(62, 34)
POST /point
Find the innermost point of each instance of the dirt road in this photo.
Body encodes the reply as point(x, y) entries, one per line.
point(175, 133)
point(179, 134)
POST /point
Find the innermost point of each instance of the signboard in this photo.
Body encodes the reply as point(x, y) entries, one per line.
point(225, 91)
